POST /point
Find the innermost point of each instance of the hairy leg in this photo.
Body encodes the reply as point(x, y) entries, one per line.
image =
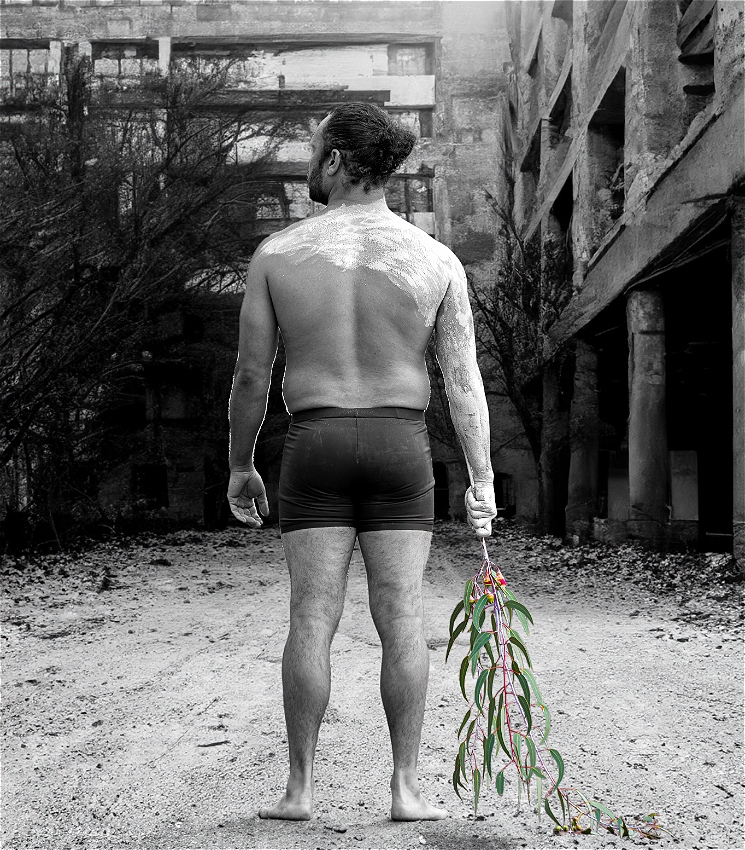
point(318, 561)
point(395, 565)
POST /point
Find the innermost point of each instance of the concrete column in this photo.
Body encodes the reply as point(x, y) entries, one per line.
point(729, 58)
point(657, 115)
point(164, 54)
point(648, 455)
point(54, 63)
point(583, 435)
point(738, 375)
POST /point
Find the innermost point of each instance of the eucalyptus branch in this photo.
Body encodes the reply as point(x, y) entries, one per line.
point(508, 714)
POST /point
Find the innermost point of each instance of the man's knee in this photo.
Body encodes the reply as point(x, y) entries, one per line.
point(396, 608)
point(320, 623)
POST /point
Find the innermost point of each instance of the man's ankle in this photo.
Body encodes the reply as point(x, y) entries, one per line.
point(405, 779)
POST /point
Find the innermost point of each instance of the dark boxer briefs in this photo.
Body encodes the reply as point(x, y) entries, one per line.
point(365, 468)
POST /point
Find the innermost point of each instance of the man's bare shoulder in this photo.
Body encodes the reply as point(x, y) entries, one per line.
point(428, 242)
point(286, 231)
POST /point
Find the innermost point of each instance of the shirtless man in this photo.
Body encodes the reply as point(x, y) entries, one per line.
point(356, 292)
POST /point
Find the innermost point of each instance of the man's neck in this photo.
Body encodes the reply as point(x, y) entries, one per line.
point(357, 199)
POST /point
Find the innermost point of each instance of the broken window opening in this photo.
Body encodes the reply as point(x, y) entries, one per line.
point(606, 140)
point(410, 59)
point(560, 225)
point(24, 67)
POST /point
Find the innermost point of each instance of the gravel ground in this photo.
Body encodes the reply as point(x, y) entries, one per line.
point(142, 696)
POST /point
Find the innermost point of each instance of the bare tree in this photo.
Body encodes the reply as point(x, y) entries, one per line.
point(512, 318)
point(114, 204)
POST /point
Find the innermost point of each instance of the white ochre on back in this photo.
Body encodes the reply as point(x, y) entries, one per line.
point(370, 236)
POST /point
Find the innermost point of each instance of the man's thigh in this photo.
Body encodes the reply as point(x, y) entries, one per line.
point(318, 561)
point(395, 562)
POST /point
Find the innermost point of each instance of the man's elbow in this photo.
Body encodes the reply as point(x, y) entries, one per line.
point(251, 379)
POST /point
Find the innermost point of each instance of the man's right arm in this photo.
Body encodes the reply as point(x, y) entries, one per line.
point(456, 353)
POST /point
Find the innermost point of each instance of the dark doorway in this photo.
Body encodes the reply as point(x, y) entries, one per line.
point(698, 331)
point(442, 490)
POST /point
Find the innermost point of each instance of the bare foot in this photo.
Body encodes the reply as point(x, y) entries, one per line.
point(298, 807)
point(407, 805)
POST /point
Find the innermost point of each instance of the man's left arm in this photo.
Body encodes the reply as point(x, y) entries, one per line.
point(257, 348)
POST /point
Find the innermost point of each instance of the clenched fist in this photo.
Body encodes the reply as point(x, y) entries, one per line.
point(481, 507)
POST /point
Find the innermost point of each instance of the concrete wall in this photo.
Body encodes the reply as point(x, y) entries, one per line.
point(652, 143)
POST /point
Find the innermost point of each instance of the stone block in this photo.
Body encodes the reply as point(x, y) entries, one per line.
point(38, 61)
point(130, 67)
point(106, 67)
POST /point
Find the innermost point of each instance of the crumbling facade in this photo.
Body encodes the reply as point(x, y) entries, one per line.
point(626, 124)
point(438, 67)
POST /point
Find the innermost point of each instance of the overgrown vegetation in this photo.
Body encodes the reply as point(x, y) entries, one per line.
point(117, 207)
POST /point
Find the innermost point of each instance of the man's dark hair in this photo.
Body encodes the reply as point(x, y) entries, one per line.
point(372, 146)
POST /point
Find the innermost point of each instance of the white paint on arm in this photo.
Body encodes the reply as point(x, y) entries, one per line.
point(456, 354)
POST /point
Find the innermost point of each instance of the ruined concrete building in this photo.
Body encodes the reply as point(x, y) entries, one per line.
point(625, 121)
point(612, 129)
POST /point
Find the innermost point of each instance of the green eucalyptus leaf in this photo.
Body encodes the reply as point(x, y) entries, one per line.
point(476, 789)
point(456, 778)
point(547, 718)
point(499, 783)
point(526, 711)
point(490, 653)
point(471, 727)
point(480, 642)
point(490, 683)
point(462, 754)
point(458, 608)
point(500, 735)
point(515, 641)
point(459, 628)
point(553, 817)
point(531, 751)
point(525, 686)
point(556, 756)
point(478, 611)
point(488, 751)
point(533, 684)
point(465, 720)
point(595, 805)
point(479, 686)
point(564, 803)
point(513, 605)
point(462, 676)
point(517, 743)
point(467, 597)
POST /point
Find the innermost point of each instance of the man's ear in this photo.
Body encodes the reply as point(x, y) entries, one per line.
point(334, 162)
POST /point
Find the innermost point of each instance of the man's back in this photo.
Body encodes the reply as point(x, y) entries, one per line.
point(356, 290)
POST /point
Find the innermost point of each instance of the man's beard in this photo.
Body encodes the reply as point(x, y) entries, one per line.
point(315, 186)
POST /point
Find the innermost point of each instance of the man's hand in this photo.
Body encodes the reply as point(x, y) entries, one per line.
point(481, 508)
point(244, 487)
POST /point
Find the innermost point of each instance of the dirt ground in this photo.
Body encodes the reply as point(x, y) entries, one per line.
point(142, 696)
